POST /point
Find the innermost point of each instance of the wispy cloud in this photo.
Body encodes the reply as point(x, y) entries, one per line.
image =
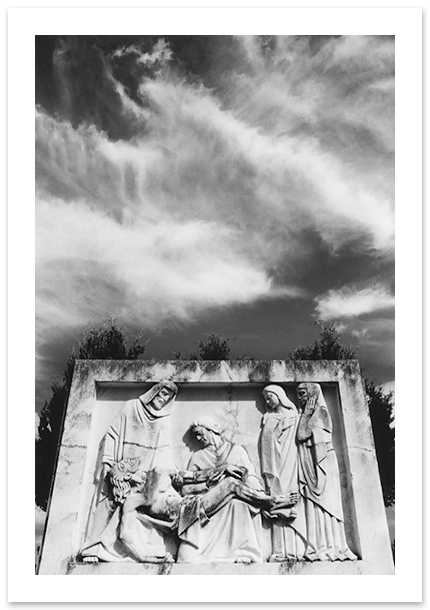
point(351, 301)
point(175, 193)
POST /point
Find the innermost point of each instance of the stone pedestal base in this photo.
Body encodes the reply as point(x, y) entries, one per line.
point(232, 392)
point(300, 568)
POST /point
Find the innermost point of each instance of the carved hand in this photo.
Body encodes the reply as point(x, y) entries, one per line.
point(215, 475)
point(310, 406)
point(238, 472)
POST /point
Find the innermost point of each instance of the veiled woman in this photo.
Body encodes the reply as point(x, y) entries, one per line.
point(137, 441)
point(319, 481)
point(279, 466)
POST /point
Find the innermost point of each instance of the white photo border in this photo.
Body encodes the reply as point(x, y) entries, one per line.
point(405, 24)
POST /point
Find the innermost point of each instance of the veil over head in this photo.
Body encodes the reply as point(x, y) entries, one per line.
point(314, 389)
point(320, 418)
point(280, 393)
point(148, 396)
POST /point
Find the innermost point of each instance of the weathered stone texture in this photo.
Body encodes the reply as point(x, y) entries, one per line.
point(232, 392)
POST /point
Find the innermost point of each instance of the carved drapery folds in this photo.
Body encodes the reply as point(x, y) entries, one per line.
point(144, 509)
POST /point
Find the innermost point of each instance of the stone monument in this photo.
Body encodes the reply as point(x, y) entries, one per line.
point(216, 467)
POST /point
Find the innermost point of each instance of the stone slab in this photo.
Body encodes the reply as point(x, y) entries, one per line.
point(300, 568)
point(231, 390)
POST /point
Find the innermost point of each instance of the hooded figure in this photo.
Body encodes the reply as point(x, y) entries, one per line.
point(319, 481)
point(279, 466)
point(136, 442)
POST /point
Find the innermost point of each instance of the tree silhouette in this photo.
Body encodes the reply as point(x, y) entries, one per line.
point(105, 341)
point(212, 347)
point(108, 341)
point(329, 347)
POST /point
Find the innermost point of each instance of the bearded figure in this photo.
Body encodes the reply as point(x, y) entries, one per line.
point(137, 442)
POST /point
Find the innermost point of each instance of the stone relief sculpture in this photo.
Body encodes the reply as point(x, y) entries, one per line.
point(145, 510)
point(279, 467)
point(233, 533)
point(137, 441)
point(297, 455)
point(320, 508)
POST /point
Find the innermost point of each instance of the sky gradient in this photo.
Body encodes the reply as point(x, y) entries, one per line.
point(195, 184)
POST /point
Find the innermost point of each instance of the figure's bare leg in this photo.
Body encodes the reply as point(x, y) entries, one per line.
point(229, 489)
point(252, 496)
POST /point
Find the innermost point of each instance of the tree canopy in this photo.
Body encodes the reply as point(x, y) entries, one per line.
point(104, 341)
point(329, 347)
point(212, 347)
point(109, 341)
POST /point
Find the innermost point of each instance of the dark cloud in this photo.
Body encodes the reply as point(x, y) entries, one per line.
point(213, 184)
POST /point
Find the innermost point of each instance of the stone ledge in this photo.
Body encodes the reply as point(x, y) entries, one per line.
point(302, 568)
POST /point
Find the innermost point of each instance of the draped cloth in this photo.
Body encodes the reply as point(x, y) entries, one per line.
point(319, 485)
point(138, 439)
point(279, 466)
point(232, 532)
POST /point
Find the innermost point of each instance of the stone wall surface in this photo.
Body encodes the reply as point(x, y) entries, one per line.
point(230, 391)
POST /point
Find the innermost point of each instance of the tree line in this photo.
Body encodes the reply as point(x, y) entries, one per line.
point(108, 341)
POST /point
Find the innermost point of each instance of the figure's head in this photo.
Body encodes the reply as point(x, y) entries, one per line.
point(275, 398)
point(272, 400)
point(305, 391)
point(203, 436)
point(162, 398)
point(159, 396)
point(206, 430)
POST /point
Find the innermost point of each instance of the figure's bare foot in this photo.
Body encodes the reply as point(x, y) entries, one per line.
point(285, 500)
point(90, 559)
point(168, 558)
point(243, 559)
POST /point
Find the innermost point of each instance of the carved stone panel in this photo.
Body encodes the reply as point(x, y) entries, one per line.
point(168, 467)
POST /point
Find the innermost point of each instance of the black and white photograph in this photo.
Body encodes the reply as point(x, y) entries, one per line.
point(215, 300)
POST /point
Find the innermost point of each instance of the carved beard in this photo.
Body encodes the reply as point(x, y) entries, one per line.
point(153, 413)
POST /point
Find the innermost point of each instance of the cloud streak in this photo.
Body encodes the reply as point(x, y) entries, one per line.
point(352, 301)
point(168, 192)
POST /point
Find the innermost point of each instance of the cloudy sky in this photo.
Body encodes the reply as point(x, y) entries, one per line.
point(195, 184)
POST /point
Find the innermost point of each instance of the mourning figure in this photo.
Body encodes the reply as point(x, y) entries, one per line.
point(137, 442)
point(320, 508)
point(224, 507)
point(279, 467)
